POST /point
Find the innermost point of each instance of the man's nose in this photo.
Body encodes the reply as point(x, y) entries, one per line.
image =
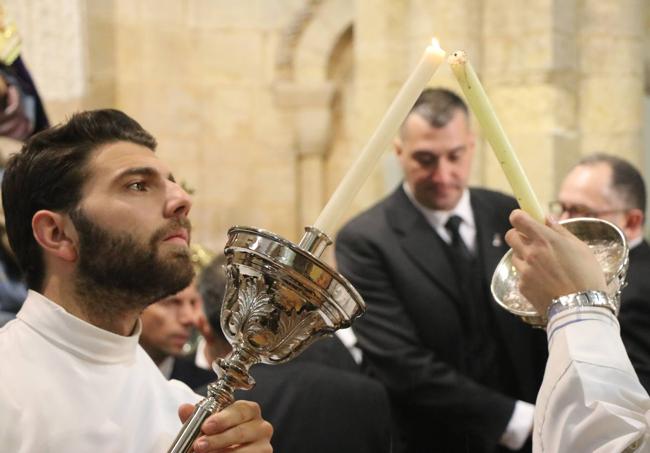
point(179, 201)
point(441, 172)
point(187, 315)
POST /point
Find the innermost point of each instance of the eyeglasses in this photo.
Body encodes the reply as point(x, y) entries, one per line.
point(557, 209)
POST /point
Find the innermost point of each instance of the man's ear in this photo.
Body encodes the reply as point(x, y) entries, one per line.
point(471, 140)
point(633, 222)
point(204, 328)
point(55, 234)
point(397, 145)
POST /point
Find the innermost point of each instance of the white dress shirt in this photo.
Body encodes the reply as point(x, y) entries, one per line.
point(68, 386)
point(437, 219)
point(591, 399)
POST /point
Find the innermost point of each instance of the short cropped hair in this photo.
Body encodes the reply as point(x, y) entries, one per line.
point(49, 173)
point(627, 181)
point(212, 287)
point(437, 106)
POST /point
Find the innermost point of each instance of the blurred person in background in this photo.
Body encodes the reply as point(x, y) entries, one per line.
point(21, 115)
point(167, 327)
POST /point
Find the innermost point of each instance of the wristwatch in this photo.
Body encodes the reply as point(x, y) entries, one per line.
point(582, 299)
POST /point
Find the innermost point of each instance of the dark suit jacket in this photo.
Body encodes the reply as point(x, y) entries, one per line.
point(412, 334)
point(186, 371)
point(321, 403)
point(635, 312)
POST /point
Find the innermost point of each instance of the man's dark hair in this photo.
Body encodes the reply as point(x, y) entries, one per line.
point(627, 181)
point(437, 106)
point(49, 173)
point(212, 287)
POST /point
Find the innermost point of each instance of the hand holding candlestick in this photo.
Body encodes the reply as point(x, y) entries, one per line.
point(279, 299)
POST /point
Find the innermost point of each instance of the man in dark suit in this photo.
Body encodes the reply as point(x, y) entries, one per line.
point(319, 402)
point(610, 188)
point(462, 373)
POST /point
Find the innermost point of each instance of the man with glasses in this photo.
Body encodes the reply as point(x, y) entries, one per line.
point(610, 188)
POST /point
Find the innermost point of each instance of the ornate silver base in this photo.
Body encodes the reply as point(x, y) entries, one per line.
point(279, 299)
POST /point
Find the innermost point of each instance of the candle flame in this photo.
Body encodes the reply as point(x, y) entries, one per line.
point(435, 44)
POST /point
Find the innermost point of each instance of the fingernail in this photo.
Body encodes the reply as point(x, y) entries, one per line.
point(201, 445)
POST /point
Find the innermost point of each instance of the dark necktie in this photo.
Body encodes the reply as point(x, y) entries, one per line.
point(481, 353)
point(459, 249)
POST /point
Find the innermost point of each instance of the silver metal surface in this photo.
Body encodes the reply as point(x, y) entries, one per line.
point(608, 245)
point(279, 299)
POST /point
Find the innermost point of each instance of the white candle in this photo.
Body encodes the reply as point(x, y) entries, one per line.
point(494, 133)
point(380, 140)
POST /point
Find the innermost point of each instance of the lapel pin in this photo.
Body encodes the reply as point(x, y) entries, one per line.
point(496, 240)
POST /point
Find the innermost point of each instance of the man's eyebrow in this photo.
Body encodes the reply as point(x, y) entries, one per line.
point(448, 151)
point(143, 171)
point(456, 149)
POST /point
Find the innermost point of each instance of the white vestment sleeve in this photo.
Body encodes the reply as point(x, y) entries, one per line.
point(591, 399)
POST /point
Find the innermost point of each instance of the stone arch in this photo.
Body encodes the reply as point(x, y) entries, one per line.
point(307, 84)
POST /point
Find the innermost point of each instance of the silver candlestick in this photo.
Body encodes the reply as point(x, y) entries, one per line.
point(280, 298)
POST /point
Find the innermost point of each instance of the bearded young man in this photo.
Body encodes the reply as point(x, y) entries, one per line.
point(100, 228)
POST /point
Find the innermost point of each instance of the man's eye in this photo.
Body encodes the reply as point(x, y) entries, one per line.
point(138, 186)
point(425, 160)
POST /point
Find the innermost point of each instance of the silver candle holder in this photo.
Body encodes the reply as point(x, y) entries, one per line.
point(279, 298)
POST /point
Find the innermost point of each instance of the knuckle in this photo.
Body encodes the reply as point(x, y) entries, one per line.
point(255, 410)
point(267, 429)
point(249, 409)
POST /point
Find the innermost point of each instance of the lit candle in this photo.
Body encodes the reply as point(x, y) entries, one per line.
point(493, 132)
point(380, 140)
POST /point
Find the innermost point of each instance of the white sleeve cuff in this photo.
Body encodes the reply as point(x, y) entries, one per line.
point(519, 427)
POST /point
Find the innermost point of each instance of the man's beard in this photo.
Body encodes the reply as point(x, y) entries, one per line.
point(116, 272)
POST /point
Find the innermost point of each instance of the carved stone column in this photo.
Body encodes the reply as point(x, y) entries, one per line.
point(311, 109)
point(383, 59)
point(612, 77)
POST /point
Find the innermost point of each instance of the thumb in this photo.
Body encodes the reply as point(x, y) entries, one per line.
point(555, 225)
point(185, 411)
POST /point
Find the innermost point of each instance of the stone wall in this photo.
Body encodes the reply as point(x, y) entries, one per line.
point(261, 105)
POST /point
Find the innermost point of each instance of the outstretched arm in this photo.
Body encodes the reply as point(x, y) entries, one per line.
point(591, 399)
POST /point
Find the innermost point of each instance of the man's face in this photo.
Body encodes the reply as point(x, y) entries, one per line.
point(436, 161)
point(587, 192)
point(132, 226)
point(167, 324)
